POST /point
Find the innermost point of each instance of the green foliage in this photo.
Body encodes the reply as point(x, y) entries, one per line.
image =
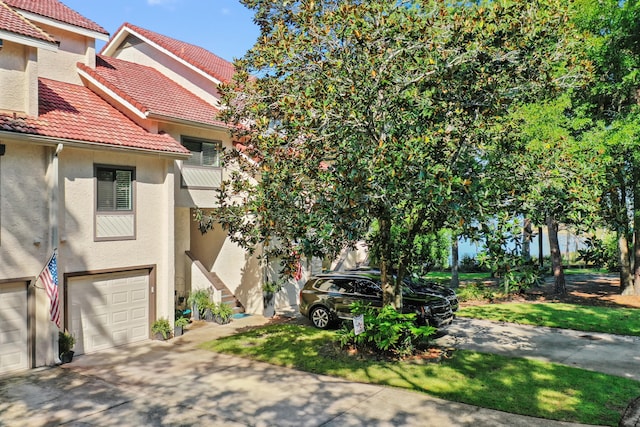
point(601, 252)
point(426, 252)
point(182, 322)
point(476, 291)
point(66, 341)
point(222, 312)
point(161, 326)
point(386, 331)
point(357, 112)
point(503, 255)
point(469, 264)
point(201, 299)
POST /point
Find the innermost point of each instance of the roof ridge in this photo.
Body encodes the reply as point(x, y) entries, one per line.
point(57, 11)
point(43, 34)
point(197, 56)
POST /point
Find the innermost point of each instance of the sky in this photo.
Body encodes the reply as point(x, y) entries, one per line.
point(224, 27)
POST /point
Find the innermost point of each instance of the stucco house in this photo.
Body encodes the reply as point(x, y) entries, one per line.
point(104, 157)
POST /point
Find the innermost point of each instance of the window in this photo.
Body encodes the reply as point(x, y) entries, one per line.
point(203, 152)
point(115, 189)
point(115, 203)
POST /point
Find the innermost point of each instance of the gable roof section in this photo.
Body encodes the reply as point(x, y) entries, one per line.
point(74, 113)
point(56, 11)
point(150, 92)
point(21, 30)
point(193, 56)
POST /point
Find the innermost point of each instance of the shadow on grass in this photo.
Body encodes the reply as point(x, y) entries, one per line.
point(514, 385)
point(621, 321)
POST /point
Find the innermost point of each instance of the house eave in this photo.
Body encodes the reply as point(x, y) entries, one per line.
point(63, 26)
point(74, 143)
point(109, 50)
point(28, 41)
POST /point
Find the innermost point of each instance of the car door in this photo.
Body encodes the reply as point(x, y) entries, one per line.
point(342, 295)
point(368, 292)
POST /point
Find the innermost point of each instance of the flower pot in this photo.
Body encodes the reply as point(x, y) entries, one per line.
point(268, 301)
point(178, 331)
point(208, 315)
point(158, 336)
point(67, 356)
point(222, 320)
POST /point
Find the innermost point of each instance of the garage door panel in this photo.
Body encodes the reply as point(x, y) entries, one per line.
point(121, 315)
point(14, 335)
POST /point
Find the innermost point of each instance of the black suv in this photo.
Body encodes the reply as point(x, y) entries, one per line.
point(327, 297)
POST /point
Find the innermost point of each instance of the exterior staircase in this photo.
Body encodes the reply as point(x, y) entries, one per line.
point(221, 291)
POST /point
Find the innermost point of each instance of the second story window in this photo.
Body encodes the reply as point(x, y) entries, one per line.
point(203, 152)
point(115, 216)
point(115, 189)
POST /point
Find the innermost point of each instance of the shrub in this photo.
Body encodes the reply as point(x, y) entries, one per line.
point(474, 292)
point(386, 332)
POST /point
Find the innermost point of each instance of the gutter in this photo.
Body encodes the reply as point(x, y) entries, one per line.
point(53, 142)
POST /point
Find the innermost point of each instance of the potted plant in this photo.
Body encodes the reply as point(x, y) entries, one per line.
point(209, 311)
point(179, 325)
point(269, 290)
point(198, 301)
point(223, 313)
point(66, 341)
point(161, 329)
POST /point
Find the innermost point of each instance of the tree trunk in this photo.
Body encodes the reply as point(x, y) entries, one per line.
point(540, 248)
point(391, 292)
point(556, 257)
point(635, 289)
point(626, 278)
point(526, 239)
point(455, 278)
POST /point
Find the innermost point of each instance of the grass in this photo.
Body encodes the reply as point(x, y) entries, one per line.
point(622, 321)
point(445, 276)
point(514, 385)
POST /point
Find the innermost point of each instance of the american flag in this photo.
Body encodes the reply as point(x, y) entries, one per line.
point(49, 277)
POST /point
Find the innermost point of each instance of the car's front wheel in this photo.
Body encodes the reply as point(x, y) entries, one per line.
point(320, 317)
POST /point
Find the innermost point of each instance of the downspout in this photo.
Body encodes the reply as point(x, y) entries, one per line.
point(53, 244)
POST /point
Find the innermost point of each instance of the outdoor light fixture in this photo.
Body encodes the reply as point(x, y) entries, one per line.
point(2, 149)
point(0, 44)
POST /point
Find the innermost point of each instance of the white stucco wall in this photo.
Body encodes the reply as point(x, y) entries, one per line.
point(14, 87)
point(61, 64)
point(24, 210)
point(153, 244)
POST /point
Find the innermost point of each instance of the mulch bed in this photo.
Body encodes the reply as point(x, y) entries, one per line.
point(583, 289)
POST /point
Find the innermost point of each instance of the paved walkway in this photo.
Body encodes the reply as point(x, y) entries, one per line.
point(175, 383)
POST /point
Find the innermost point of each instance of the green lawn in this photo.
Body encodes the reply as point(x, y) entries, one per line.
point(622, 321)
point(513, 385)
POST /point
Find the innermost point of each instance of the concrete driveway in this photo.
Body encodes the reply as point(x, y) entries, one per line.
point(175, 383)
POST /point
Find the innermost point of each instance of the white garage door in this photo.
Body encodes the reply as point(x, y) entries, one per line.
point(14, 335)
point(108, 310)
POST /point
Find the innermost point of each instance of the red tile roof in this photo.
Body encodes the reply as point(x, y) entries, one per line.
point(54, 9)
point(199, 57)
point(151, 92)
point(14, 23)
point(75, 113)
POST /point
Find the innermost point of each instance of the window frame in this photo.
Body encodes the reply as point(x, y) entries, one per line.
point(193, 140)
point(98, 211)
